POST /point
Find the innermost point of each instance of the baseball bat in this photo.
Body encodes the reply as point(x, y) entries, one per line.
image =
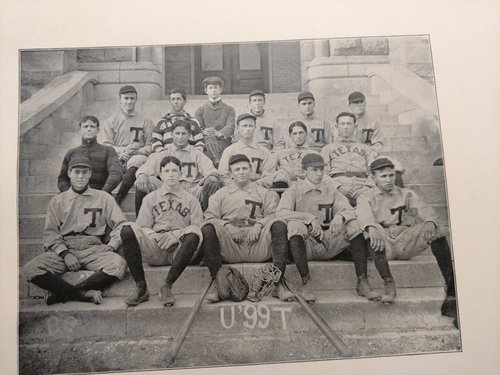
point(181, 335)
point(323, 326)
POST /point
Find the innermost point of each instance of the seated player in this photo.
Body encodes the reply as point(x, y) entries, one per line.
point(106, 169)
point(347, 160)
point(75, 225)
point(162, 133)
point(396, 221)
point(321, 224)
point(166, 232)
point(129, 133)
point(199, 176)
point(263, 162)
point(216, 119)
point(240, 225)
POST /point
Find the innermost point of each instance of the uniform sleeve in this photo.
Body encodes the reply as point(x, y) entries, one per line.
point(364, 211)
point(63, 182)
point(108, 136)
point(115, 171)
point(52, 238)
point(198, 115)
point(268, 169)
point(425, 212)
point(145, 217)
point(286, 208)
point(115, 219)
point(224, 168)
point(377, 138)
point(214, 206)
point(228, 129)
point(342, 207)
point(328, 135)
point(325, 153)
point(148, 133)
point(151, 167)
point(206, 165)
point(270, 204)
point(157, 136)
point(196, 213)
point(278, 136)
point(197, 135)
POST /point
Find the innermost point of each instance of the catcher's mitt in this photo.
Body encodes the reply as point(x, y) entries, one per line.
point(230, 284)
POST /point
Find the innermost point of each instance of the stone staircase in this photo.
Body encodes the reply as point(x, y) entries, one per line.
point(83, 337)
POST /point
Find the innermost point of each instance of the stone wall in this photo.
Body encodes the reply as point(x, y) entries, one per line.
point(286, 67)
point(106, 54)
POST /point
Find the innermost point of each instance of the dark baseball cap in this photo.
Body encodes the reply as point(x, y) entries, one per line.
point(313, 160)
point(79, 161)
point(356, 96)
point(256, 92)
point(244, 116)
point(380, 164)
point(126, 89)
point(305, 95)
point(213, 81)
point(237, 158)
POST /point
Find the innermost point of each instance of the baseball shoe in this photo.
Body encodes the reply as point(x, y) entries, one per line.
point(364, 290)
point(213, 294)
point(94, 296)
point(52, 299)
point(390, 291)
point(449, 307)
point(306, 291)
point(166, 296)
point(282, 292)
point(140, 294)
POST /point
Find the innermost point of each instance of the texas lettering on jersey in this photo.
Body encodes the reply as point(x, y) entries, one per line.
point(170, 205)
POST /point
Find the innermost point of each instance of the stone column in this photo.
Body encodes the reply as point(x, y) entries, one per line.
point(322, 48)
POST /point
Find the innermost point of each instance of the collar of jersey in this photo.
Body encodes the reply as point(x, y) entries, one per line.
point(164, 191)
point(250, 188)
point(308, 186)
point(396, 190)
point(72, 194)
point(252, 145)
point(127, 115)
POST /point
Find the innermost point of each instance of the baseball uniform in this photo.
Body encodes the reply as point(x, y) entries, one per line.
point(162, 133)
point(303, 202)
point(267, 133)
point(78, 222)
point(238, 209)
point(318, 132)
point(368, 132)
point(290, 161)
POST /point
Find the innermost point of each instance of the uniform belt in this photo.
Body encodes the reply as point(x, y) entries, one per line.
point(350, 174)
point(243, 223)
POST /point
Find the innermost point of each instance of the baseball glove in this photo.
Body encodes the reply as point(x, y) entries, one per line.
point(230, 284)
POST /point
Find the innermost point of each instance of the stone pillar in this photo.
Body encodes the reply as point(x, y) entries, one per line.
point(144, 54)
point(322, 48)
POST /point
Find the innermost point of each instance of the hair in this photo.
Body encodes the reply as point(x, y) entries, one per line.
point(170, 159)
point(342, 114)
point(297, 123)
point(87, 118)
point(178, 90)
point(186, 124)
point(212, 81)
point(241, 158)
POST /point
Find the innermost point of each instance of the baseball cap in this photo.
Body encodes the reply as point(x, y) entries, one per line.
point(127, 88)
point(356, 96)
point(380, 164)
point(256, 92)
point(313, 160)
point(213, 81)
point(79, 161)
point(244, 116)
point(237, 158)
point(305, 95)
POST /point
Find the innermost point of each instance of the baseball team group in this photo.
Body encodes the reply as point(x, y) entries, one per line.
point(216, 188)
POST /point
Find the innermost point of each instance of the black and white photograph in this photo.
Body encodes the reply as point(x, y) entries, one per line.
point(191, 204)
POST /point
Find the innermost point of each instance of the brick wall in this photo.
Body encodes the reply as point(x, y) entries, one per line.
point(178, 68)
point(286, 67)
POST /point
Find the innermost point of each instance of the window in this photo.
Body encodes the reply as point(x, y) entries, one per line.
point(249, 57)
point(211, 58)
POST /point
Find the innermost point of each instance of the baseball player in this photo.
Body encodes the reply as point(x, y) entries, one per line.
point(322, 224)
point(267, 132)
point(75, 225)
point(347, 160)
point(369, 131)
point(162, 133)
point(198, 174)
point(216, 119)
point(166, 232)
point(263, 162)
point(106, 169)
point(129, 133)
point(240, 225)
point(396, 221)
point(318, 130)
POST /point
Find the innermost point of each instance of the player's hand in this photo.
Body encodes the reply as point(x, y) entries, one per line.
point(345, 190)
point(315, 229)
point(208, 132)
point(336, 225)
point(377, 239)
point(236, 234)
point(254, 233)
point(72, 262)
point(358, 192)
point(153, 184)
point(429, 232)
point(212, 184)
point(125, 156)
point(218, 134)
point(142, 183)
point(166, 240)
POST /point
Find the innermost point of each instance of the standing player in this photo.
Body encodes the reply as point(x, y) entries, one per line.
point(396, 221)
point(318, 129)
point(75, 224)
point(321, 224)
point(198, 174)
point(162, 133)
point(216, 119)
point(166, 232)
point(240, 225)
point(347, 160)
point(263, 162)
point(106, 169)
point(129, 133)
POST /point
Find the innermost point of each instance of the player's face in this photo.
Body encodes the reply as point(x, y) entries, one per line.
point(306, 106)
point(79, 177)
point(385, 179)
point(345, 126)
point(213, 91)
point(240, 172)
point(257, 103)
point(89, 130)
point(170, 174)
point(358, 107)
point(177, 102)
point(127, 102)
point(314, 174)
point(246, 127)
point(298, 136)
point(180, 137)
